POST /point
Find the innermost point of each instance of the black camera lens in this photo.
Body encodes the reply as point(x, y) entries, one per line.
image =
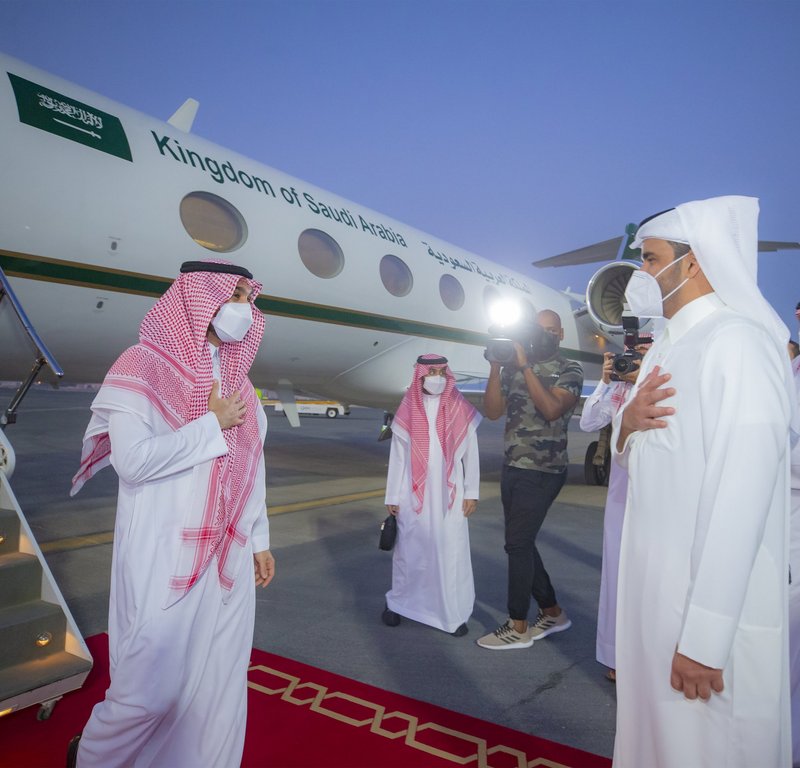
point(622, 365)
point(501, 351)
point(626, 362)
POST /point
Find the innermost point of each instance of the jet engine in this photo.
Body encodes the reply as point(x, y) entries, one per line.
point(605, 295)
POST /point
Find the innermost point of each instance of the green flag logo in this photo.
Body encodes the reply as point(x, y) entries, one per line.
point(53, 112)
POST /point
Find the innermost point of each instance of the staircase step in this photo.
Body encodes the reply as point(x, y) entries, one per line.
point(20, 625)
point(30, 675)
point(20, 579)
point(9, 531)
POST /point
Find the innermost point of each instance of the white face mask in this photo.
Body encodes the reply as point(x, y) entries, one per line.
point(643, 293)
point(233, 321)
point(434, 385)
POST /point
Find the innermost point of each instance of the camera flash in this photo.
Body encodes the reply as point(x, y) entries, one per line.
point(505, 312)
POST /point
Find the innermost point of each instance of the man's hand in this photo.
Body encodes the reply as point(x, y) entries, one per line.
point(607, 358)
point(392, 509)
point(264, 564)
point(230, 411)
point(469, 506)
point(642, 413)
point(522, 357)
point(694, 679)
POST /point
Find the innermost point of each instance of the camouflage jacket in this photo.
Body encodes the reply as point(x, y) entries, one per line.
point(532, 442)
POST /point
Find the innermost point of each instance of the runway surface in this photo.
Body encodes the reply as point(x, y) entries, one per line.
point(325, 493)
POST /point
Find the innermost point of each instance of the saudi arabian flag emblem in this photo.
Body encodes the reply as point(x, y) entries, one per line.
point(70, 119)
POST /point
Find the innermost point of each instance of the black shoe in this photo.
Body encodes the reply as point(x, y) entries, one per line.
point(461, 631)
point(390, 618)
point(72, 751)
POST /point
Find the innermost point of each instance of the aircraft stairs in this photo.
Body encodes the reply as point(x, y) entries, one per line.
point(42, 653)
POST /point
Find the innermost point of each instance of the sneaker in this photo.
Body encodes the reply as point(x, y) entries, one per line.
point(505, 638)
point(460, 631)
point(547, 625)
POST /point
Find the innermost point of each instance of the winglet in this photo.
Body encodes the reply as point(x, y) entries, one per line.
point(183, 118)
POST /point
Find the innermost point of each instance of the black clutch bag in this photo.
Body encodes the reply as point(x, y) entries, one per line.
point(388, 534)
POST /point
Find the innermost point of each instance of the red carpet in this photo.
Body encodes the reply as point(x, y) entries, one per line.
point(301, 716)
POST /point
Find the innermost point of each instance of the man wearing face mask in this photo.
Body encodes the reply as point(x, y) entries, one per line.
point(180, 422)
point(432, 489)
point(538, 397)
point(702, 657)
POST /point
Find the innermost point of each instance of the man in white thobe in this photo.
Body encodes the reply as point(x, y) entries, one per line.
point(432, 488)
point(598, 411)
point(794, 586)
point(702, 643)
point(179, 421)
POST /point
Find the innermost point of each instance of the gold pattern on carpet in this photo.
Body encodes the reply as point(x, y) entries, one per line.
point(360, 713)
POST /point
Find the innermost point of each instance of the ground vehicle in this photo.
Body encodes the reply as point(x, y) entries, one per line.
point(329, 408)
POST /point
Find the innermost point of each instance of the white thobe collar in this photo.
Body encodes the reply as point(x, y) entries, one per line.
point(431, 404)
point(689, 316)
point(215, 367)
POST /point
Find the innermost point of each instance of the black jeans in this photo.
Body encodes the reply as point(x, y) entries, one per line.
point(527, 495)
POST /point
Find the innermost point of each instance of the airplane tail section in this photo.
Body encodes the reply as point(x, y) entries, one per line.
point(183, 118)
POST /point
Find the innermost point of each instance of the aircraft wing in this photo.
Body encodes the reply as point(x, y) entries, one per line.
point(769, 246)
point(605, 251)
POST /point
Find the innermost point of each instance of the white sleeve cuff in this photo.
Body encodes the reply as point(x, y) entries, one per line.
point(707, 637)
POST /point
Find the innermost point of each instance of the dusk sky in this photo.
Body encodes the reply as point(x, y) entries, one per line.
point(516, 130)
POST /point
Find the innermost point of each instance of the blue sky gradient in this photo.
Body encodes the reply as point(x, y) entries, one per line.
point(516, 130)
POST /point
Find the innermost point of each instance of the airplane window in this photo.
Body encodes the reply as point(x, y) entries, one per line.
point(320, 253)
point(395, 275)
point(213, 222)
point(451, 292)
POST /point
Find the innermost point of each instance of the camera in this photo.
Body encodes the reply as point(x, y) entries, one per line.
point(628, 361)
point(500, 350)
point(624, 363)
point(535, 341)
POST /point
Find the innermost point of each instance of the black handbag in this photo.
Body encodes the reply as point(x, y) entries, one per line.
point(388, 534)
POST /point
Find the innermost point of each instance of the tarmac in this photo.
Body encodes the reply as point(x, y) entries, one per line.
point(325, 484)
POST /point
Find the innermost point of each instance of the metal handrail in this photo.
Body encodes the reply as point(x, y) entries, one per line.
point(44, 356)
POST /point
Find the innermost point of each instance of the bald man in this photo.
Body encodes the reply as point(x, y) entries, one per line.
point(538, 394)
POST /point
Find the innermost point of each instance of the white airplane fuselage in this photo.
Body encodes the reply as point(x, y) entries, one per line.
point(90, 237)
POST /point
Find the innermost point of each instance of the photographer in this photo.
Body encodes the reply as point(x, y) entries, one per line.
point(538, 392)
point(598, 411)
